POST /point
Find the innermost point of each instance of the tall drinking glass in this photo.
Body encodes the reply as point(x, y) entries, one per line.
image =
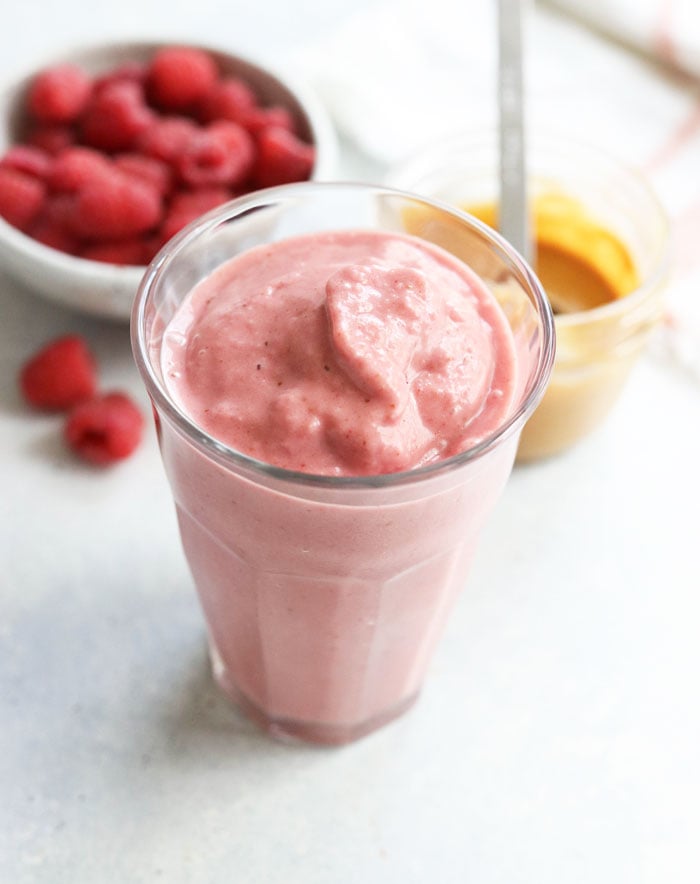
point(324, 597)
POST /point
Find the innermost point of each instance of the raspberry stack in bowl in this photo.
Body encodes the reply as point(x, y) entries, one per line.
point(105, 153)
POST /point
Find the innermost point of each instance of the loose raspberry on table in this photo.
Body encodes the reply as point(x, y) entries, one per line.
point(59, 94)
point(179, 77)
point(229, 99)
point(116, 117)
point(60, 375)
point(28, 159)
point(282, 158)
point(21, 197)
point(115, 207)
point(74, 167)
point(104, 429)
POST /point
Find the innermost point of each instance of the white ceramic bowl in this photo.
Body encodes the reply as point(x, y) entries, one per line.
point(107, 290)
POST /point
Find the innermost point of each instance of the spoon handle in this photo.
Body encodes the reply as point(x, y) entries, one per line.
point(513, 209)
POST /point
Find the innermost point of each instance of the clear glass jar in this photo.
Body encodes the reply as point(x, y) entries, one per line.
point(596, 348)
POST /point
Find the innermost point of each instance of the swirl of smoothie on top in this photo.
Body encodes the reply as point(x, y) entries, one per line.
point(346, 353)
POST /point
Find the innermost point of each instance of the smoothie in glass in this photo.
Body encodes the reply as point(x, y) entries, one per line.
point(339, 410)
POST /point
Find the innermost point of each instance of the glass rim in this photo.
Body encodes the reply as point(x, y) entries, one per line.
point(224, 453)
point(422, 162)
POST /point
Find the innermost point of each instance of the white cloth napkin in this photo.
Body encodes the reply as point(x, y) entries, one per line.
point(404, 73)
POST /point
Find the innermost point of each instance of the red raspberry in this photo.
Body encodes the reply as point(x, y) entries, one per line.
point(51, 138)
point(240, 144)
point(147, 169)
point(127, 252)
point(115, 207)
point(229, 99)
point(282, 158)
point(75, 167)
point(60, 375)
point(21, 197)
point(104, 429)
point(116, 117)
point(133, 71)
point(188, 205)
point(28, 159)
point(58, 209)
point(52, 234)
point(179, 77)
point(166, 138)
point(51, 227)
point(222, 156)
point(54, 237)
point(151, 246)
point(267, 117)
point(59, 94)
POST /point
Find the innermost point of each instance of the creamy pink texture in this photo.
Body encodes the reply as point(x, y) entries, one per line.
point(343, 353)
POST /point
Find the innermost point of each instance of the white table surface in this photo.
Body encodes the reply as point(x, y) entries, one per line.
point(557, 737)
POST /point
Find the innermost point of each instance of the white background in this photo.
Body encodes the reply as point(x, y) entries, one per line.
point(557, 737)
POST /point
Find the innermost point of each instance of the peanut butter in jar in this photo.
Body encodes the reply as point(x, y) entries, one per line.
point(601, 253)
point(587, 272)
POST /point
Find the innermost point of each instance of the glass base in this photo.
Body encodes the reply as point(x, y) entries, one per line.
point(290, 730)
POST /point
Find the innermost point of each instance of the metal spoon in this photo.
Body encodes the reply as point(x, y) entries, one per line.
point(513, 208)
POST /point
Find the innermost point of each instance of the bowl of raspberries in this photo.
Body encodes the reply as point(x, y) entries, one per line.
point(107, 153)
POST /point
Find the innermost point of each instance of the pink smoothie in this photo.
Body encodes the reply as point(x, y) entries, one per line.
point(345, 354)
point(338, 354)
